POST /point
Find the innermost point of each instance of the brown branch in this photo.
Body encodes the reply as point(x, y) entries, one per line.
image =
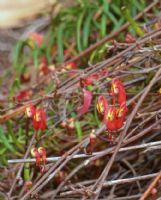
point(151, 186)
point(13, 113)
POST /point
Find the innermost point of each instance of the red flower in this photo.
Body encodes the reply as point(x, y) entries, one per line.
point(102, 104)
point(30, 111)
point(110, 119)
point(71, 65)
point(130, 38)
point(39, 119)
point(87, 98)
point(23, 95)
point(43, 67)
point(37, 38)
point(68, 123)
point(35, 154)
point(92, 142)
point(95, 76)
point(120, 116)
point(118, 89)
point(89, 80)
point(114, 116)
point(42, 154)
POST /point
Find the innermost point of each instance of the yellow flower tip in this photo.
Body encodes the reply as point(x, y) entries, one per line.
point(33, 152)
point(37, 117)
point(100, 107)
point(110, 115)
point(115, 89)
point(28, 112)
point(120, 112)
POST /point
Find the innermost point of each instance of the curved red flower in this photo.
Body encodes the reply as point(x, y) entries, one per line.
point(39, 119)
point(42, 154)
point(87, 99)
point(120, 116)
point(110, 118)
point(117, 89)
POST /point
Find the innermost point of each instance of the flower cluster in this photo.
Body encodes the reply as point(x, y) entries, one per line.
point(40, 155)
point(114, 115)
point(38, 117)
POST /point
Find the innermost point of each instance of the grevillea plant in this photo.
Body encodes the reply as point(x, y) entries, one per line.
point(113, 115)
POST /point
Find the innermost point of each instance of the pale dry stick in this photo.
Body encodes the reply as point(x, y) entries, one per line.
point(21, 167)
point(106, 152)
point(151, 186)
point(60, 163)
point(78, 156)
point(98, 185)
point(117, 182)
